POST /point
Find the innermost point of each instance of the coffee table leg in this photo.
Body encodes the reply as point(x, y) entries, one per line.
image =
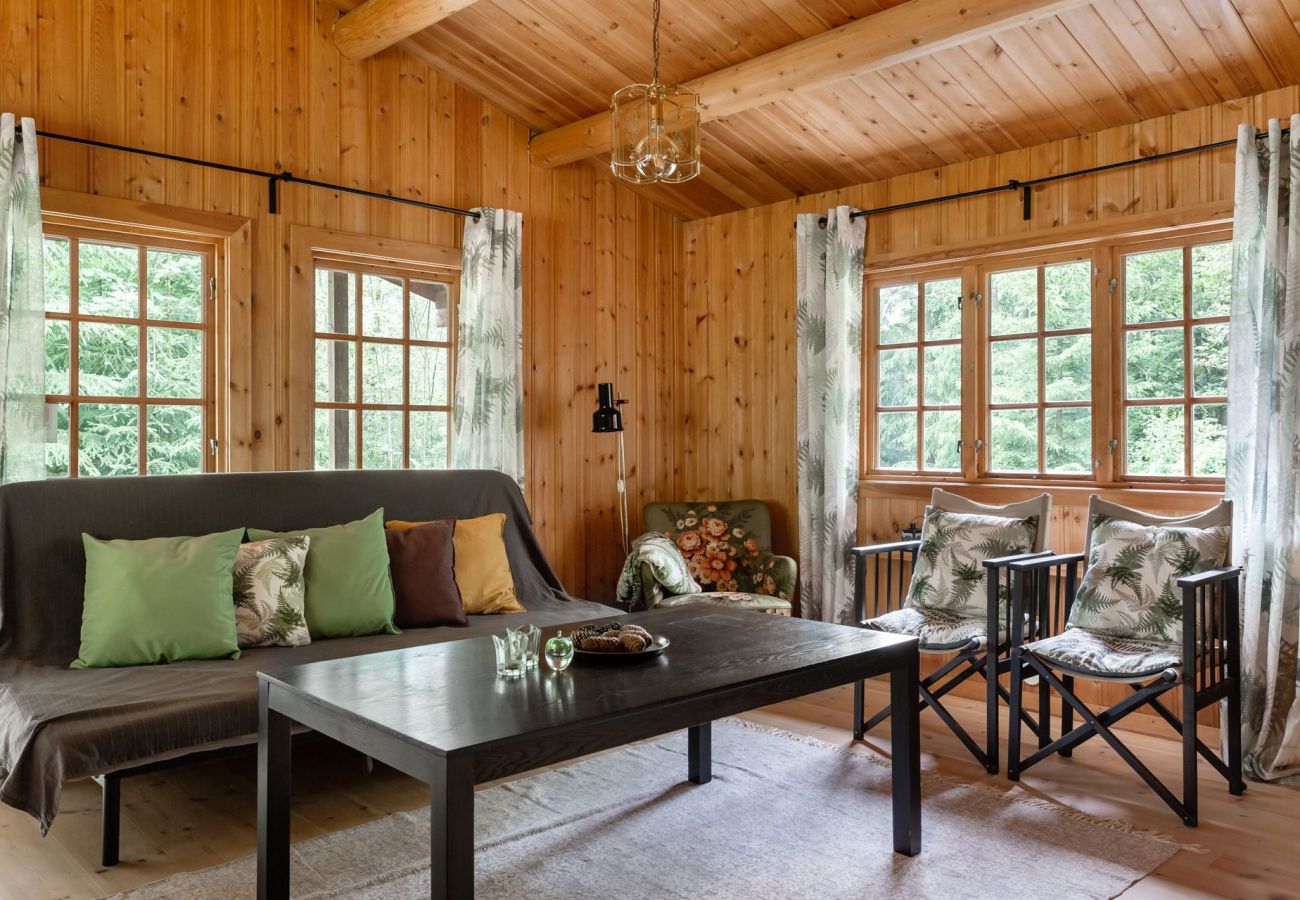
point(699, 751)
point(274, 774)
point(905, 732)
point(451, 820)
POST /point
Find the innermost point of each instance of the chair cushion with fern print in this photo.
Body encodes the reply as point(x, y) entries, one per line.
point(937, 629)
point(1129, 589)
point(1103, 656)
point(950, 574)
point(270, 592)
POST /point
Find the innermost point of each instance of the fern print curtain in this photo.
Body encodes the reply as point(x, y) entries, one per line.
point(1264, 445)
point(828, 323)
point(22, 306)
point(488, 411)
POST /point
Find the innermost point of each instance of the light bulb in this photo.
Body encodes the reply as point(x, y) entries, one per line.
point(656, 153)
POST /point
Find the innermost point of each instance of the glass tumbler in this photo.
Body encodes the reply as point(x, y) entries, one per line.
point(511, 652)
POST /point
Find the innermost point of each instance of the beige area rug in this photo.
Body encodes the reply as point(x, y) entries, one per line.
point(784, 817)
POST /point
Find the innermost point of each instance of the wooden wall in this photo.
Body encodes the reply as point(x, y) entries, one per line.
point(260, 84)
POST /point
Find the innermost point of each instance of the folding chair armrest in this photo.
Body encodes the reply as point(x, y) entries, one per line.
point(875, 552)
point(1002, 561)
point(1045, 560)
point(877, 549)
point(1033, 614)
point(1214, 576)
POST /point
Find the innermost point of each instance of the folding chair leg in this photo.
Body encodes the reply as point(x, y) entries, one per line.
point(955, 727)
point(1044, 715)
point(1236, 784)
point(1190, 800)
point(991, 707)
point(1067, 713)
point(1013, 721)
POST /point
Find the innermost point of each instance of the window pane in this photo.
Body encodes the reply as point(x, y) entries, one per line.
point(175, 363)
point(898, 306)
point(382, 373)
point(108, 439)
point(429, 440)
point(108, 363)
point(1013, 297)
point(336, 374)
point(429, 376)
point(334, 434)
point(381, 439)
point(109, 280)
point(1209, 439)
point(1013, 440)
point(58, 434)
point(1015, 371)
point(174, 285)
point(1211, 280)
point(897, 373)
point(1210, 360)
point(942, 432)
point(1155, 440)
point(942, 315)
point(1154, 363)
point(430, 311)
point(1068, 437)
point(943, 375)
point(1067, 295)
point(896, 440)
point(174, 440)
point(1153, 286)
point(58, 274)
point(335, 312)
point(381, 306)
point(1069, 367)
point(58, 356)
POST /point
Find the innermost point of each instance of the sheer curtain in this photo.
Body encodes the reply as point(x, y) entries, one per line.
point(488, 411)
point(22, 306)
point(1264, 444)
point(828, 323)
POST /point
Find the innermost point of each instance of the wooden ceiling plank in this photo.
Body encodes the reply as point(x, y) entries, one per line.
point(379, 24)
point(1082, 72)
point(1185, 39)
point(1056, 85)
point(923, 130)
point(1113, 60)
point(888, 38)
point(890, 143)
point(1186, 88)
point(946, 103)
point(1024, 128)
point(1231, 41)
point(1276, 35)
point(847, 160)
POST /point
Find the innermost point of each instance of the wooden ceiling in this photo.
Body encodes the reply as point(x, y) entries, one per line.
point(1090, 67)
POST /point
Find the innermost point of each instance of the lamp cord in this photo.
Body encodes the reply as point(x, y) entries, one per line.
point(655, 80)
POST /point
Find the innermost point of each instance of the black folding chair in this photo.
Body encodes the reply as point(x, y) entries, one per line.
point(1207, 666)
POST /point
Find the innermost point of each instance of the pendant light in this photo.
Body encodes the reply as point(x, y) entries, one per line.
point(656, 129)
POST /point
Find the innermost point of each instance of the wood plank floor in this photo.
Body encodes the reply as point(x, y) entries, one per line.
point(188, 818)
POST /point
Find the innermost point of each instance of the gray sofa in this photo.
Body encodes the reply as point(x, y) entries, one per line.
point(57, 725)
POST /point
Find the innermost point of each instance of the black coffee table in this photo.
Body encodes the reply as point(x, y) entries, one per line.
point(440, 714)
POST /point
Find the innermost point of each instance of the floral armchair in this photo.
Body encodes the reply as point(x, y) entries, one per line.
point(727, 547)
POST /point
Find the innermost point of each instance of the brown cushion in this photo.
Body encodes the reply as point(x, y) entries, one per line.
point(422, 562)
point(482, 569)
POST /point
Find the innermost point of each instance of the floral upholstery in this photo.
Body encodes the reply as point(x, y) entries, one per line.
point(938, 630)
point(727, 550)
point(1102, 656)
point(733, 600)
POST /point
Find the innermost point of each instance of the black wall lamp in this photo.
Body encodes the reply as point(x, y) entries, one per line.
point(608, 419)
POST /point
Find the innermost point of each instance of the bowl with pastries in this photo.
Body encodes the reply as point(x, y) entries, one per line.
point(616, 642)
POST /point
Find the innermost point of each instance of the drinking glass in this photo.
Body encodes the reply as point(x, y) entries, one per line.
point(511, 652)
point(532, 636)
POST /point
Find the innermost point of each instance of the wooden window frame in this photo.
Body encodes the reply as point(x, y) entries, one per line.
point(225, 244)
point(358, 254)
point(1106, 244)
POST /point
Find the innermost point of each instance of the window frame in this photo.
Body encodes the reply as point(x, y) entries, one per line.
point(358, 254)
point(226, 242)
point(1106, 247)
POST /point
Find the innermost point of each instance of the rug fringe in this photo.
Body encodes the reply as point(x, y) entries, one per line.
point(940, 778)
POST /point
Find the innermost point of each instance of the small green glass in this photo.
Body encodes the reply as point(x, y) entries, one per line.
point(559, 652)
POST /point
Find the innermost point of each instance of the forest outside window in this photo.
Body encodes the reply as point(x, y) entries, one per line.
point(128, 340)
point(384, 352)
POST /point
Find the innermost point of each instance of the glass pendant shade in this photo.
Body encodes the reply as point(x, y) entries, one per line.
point(656, 133)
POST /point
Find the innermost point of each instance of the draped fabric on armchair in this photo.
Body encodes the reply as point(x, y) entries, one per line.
point(488, 407)
point(1264, 443)
point(828, 322)
point(22, 306)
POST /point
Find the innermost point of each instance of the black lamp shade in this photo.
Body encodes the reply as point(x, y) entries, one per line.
point(607, 418)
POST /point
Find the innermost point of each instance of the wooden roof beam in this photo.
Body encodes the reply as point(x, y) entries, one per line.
point(897, 35)
point(379, 24)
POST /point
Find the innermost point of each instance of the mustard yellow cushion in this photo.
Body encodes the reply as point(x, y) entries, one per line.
point(482, 568)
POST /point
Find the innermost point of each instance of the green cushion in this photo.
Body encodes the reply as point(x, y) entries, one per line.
point(349, 592)
point(158, 600)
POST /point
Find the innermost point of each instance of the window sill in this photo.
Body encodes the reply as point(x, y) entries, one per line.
point(1174, 496)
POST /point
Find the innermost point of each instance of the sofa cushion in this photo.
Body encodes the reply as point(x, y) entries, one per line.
point(421, 560)
point(482, 566)
point(158, 600)
point(349, 591)
point(271, 592)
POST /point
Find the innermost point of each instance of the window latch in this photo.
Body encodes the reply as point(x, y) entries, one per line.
point(1114, 284)
point(212, 446)
point(1114, 445)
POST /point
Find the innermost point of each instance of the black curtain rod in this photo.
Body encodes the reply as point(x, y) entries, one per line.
point(273, 179)
point(1026, 187)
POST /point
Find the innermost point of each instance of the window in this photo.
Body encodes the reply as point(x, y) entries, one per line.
point(127, 354)
point(1174, 366)
point(1101, 363)
point(384, 352)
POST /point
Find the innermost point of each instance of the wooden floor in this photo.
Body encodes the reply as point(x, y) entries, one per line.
point(198, 816)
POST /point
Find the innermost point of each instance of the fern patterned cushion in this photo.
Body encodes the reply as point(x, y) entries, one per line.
point(950, 573)
point(1129, 589)
point(271, 593)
